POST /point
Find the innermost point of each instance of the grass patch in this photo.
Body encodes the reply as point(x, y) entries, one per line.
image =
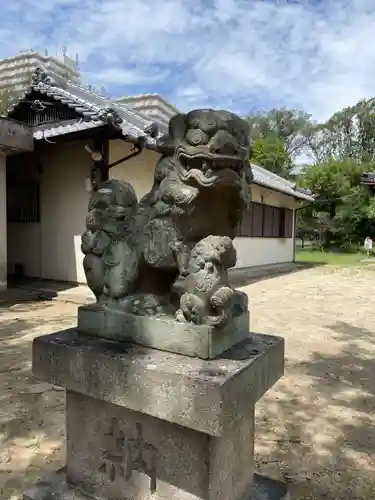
point(331, 258)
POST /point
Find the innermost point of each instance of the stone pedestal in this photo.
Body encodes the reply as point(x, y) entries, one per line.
point(202, 341)
point(147, 424)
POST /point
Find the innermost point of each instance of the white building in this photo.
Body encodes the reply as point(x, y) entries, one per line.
point(46, 192)
point(153, 105)
point(15, 71)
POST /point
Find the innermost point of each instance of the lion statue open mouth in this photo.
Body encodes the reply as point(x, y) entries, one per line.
point(208, 171)
point(181, 231)
point(211, 147)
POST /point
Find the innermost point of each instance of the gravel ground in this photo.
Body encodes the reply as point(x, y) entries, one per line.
point(315, 428)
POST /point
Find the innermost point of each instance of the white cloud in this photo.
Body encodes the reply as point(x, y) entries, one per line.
point(312, 55)
point(117, 76)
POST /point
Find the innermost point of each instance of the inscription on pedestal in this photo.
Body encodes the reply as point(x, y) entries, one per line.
point(124, 454)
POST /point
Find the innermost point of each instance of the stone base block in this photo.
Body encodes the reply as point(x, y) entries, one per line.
point(200, 341)
point(144, 424)
point(115, 453)
point(204, 395)
point(55, 487)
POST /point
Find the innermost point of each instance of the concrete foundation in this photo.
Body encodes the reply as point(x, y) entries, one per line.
point(147, 424)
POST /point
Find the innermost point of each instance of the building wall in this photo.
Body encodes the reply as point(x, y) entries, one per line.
point(3, 224)
point(51, 249)
point(15, 71)
point(24, 242)
point(64, 201)
point(152, 105)
point(23, 237)
point(263, 251)
point(139, 171)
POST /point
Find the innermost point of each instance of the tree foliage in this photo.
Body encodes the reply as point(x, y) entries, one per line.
point(292, 127)
point(349, 133)
point(279, 137)
point(270, 153)
point(339, 149)
point(341, 214)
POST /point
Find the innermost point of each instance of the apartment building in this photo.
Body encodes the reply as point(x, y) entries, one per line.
point(15, 71)
point(152, 105)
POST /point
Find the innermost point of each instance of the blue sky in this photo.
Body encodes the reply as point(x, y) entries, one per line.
point(238, 54)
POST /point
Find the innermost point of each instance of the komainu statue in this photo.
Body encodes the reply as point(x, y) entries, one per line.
point(167, 255)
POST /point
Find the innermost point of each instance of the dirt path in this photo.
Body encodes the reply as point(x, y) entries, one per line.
point(26, 447)
point(315, 428)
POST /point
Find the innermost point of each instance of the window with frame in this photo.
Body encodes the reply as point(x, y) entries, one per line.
point(266, 221)
point(23, 202)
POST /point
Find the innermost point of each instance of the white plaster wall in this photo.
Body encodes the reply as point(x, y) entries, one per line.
point(64, 202)
point(3, 223)
point(139, 171)
point(51, 249)
point(263, 251)
point(268, 197)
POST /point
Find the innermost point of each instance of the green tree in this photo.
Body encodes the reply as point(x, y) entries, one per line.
point(279, 136)
point(340, 215)
point(348, 134)
point(270, 153)
point(292, 127)
point(306, 228)
point(371, 208)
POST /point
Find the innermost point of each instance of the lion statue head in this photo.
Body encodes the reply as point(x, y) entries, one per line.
point(210, 147)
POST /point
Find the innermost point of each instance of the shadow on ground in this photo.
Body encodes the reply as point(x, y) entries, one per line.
point(46, 289)
point(248, 276)
point(315, 428)
point(324, 446)
point(31, 412)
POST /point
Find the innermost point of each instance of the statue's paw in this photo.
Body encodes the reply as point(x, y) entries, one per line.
point(179, 316)
point(221, 297)
point(217, 302)
point(189, 316)
point(218, 321)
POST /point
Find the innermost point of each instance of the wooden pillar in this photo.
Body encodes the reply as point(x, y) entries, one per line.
point(100, 170)
point(104, 167)
point(3, 223)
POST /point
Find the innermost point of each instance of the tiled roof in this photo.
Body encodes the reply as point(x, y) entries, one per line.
point(268, 179)
point(91, 107)
point(134, 124)
point(63, 128)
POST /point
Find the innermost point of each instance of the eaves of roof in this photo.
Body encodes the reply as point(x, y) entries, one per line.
point(55, 130)
point(134, 125)
point(91, 107)
point(269, 180)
